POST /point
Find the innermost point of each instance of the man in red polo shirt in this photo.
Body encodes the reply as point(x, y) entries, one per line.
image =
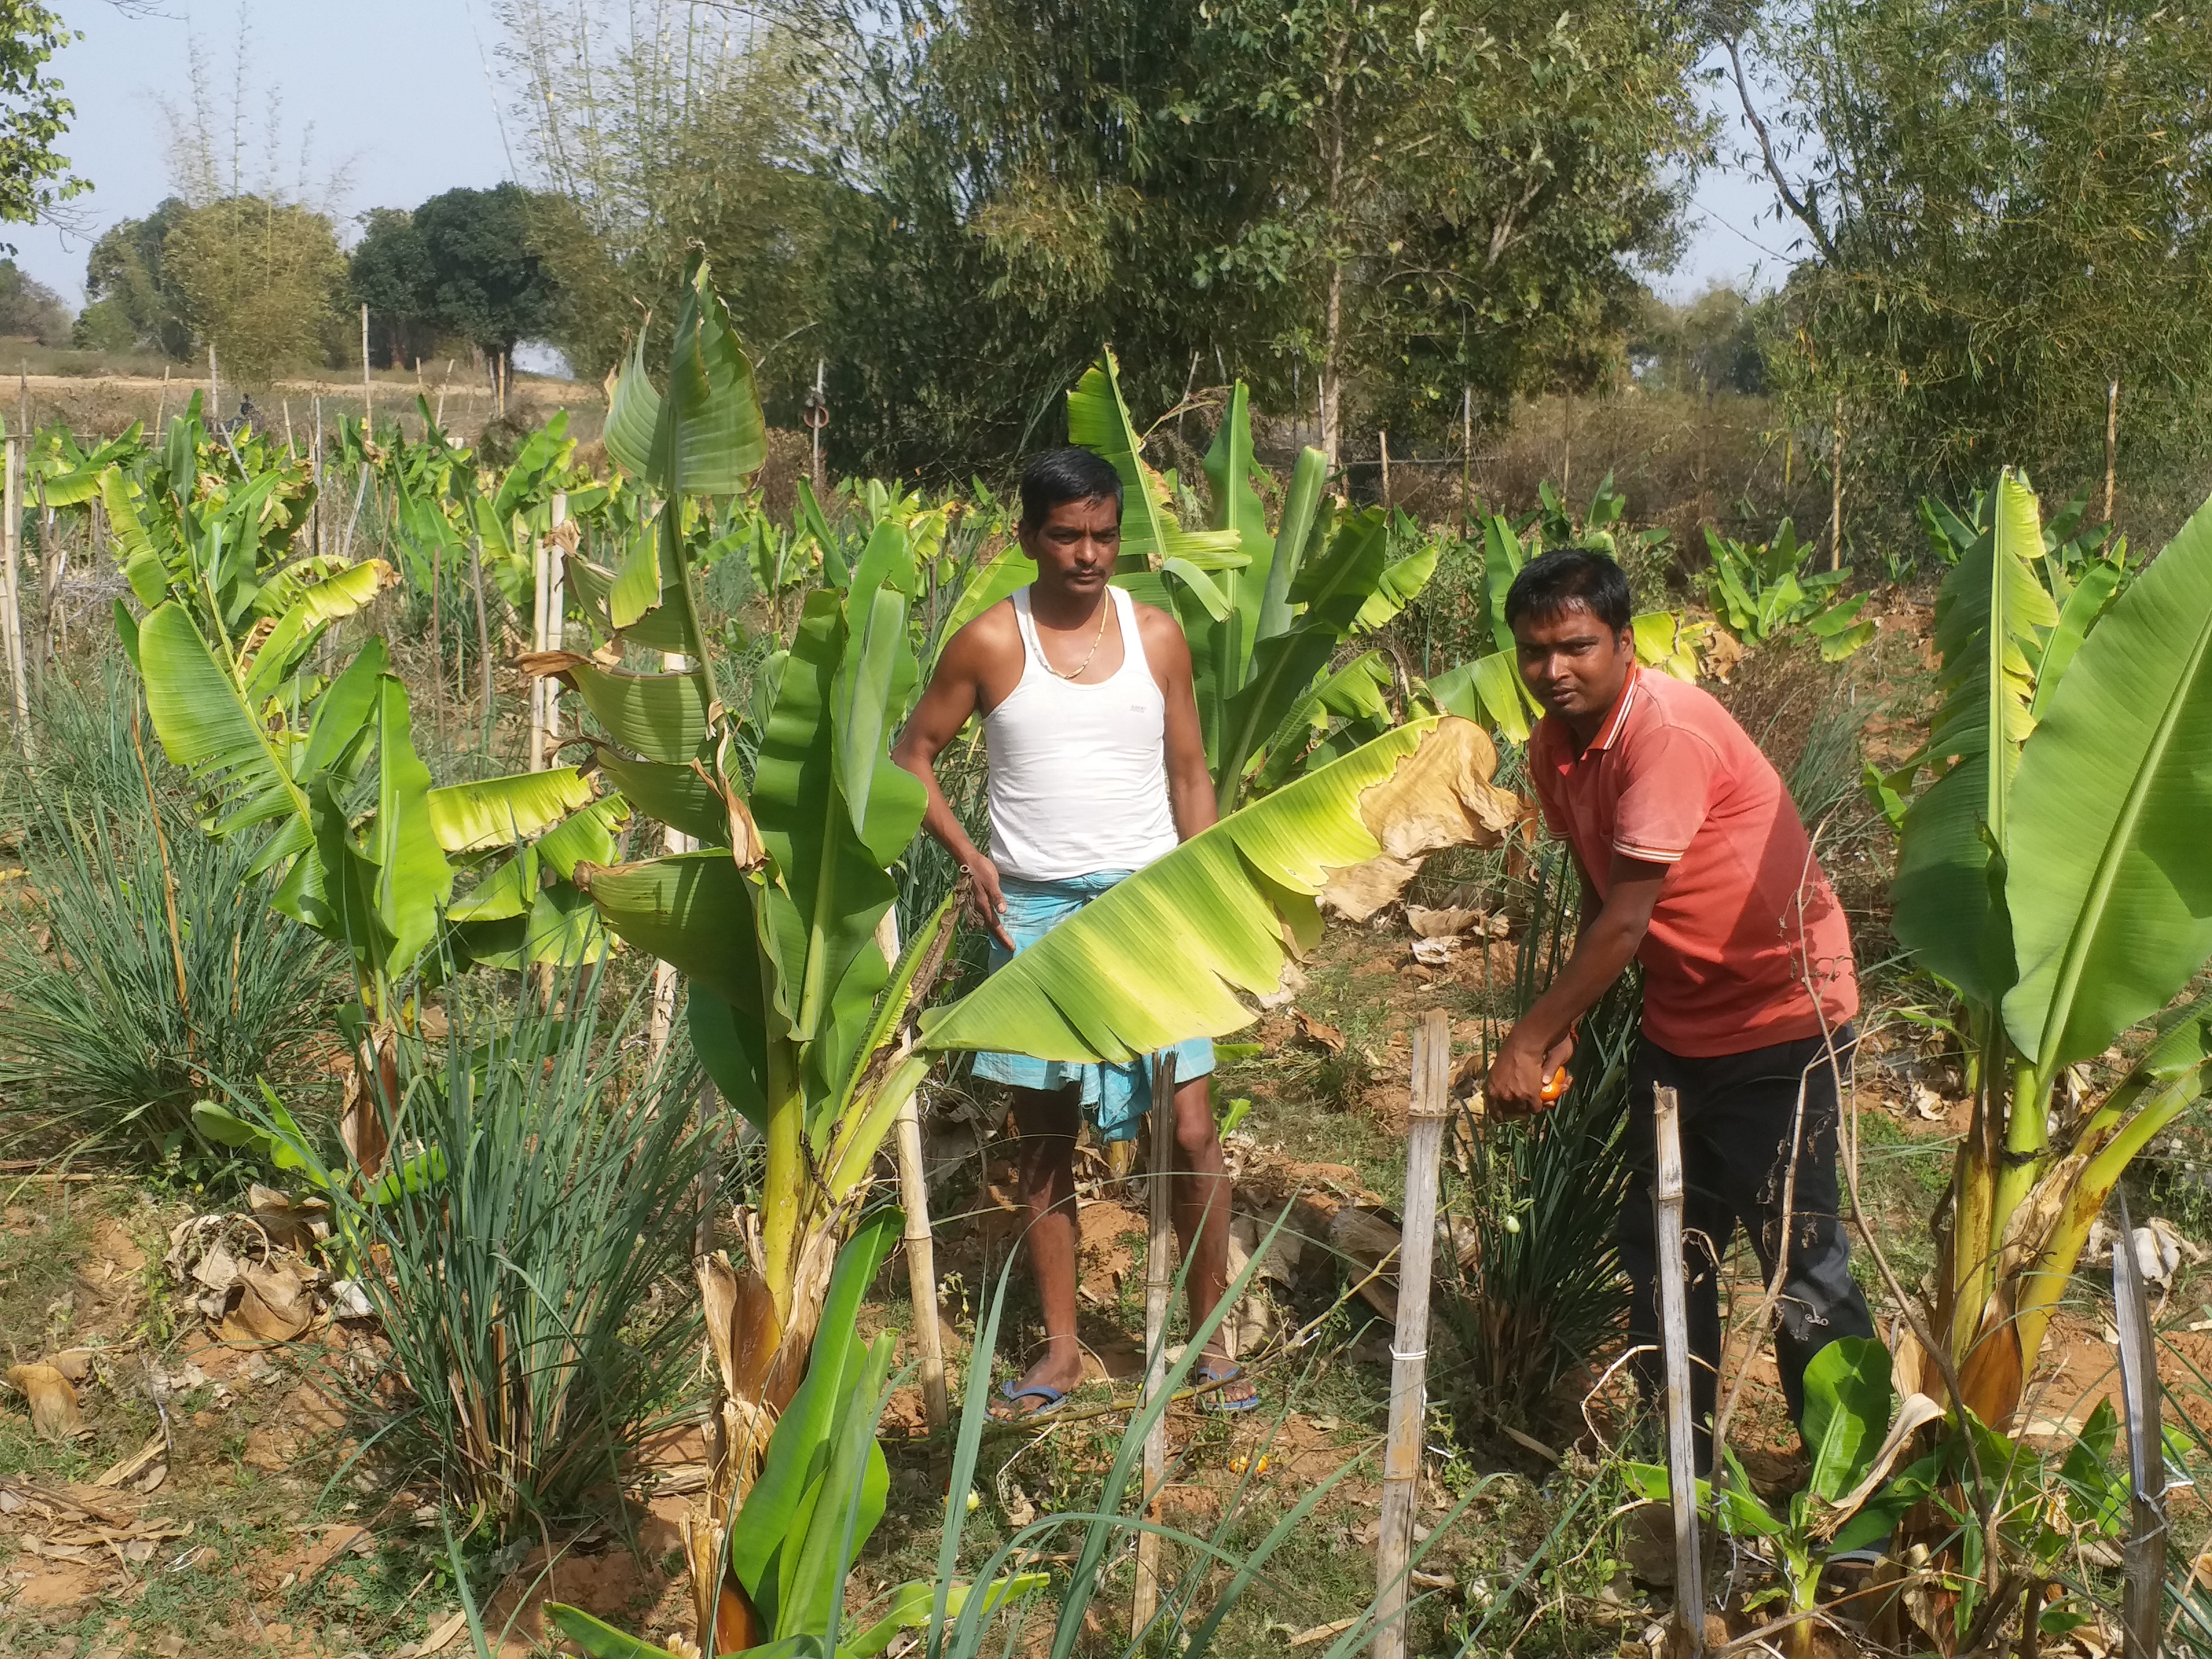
point(1694, 863)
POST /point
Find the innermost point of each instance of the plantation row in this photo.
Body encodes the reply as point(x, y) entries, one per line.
point(558, 726)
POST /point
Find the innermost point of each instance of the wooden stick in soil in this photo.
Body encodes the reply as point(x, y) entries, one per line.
point(556, 609)
point(1675, 1339)
point(1409, 1347)
point(11, 592)
point(2111, 441)
point(1835, 494)
point(483, 633)
point(540, 596)
point(2144, 1553)
point(437, 641)
point(1159, 1275)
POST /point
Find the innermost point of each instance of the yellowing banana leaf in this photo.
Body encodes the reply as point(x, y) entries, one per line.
point(207, 728)
point(1164, 956)
point(585, 837)
point(2109, 881)
point(473, 817)
point(502, 892)
point(338, 595)
point(1663, 642)
point(1399, 584)
point(662, 717)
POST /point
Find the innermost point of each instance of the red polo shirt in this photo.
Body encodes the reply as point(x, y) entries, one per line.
point(1747, 930)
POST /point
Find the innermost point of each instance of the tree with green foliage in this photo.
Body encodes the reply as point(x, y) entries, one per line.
point(1036, 178)
point(389, 272)
point(258, 279)
point(132, 304)
point(29, 310)
point(34, 114)
point(659, 128)
point(2001, 210)
point(1466, 193)
point(486, 281)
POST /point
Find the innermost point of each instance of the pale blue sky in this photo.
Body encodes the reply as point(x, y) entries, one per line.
point(393, 99)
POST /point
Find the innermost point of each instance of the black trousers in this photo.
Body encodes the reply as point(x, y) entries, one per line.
point(1736, 1115)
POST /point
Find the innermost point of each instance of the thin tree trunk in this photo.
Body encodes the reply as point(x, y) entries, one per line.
point(1675, 1329)
point(1159, 1272)
point(1835, 494)
point(1332, 367)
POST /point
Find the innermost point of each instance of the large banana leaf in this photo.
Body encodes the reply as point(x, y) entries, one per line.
point(1305, 523)
point(1163, 955)
point(413, 880)
point(705, 437)
point(1151, 539)
point(2110, 882)
point(473, 817)
point(1987, 619)
point(208, 726)
point(662, 717)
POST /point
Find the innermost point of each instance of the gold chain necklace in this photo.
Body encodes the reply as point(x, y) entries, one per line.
point(1105, 609)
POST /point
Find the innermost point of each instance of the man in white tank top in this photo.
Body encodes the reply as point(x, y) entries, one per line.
point(1098, 766)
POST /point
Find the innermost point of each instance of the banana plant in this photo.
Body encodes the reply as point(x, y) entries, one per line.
point(2050, 873)
point(797, 810)
point(1264, 612)
point(776, 1582)
point(1762, 589)
point(1854, 1435)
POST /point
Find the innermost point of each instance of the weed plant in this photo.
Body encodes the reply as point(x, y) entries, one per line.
point(147, 971)
point(531, 1277)
point(1540, 1197)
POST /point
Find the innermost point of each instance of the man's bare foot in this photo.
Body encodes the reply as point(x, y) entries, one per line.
point(1047, 1384)
point(1236, 1392)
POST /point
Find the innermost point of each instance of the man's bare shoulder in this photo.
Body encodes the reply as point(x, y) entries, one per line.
point(992, 638)
point(1158, 631)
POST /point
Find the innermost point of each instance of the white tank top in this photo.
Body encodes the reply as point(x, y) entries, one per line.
point(1079, 776)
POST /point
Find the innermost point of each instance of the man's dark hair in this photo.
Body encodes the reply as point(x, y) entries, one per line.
point(1551, 582)
point(1067, 475)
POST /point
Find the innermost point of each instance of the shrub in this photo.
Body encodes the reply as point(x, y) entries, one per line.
point(532, 1281)
point(152, 971)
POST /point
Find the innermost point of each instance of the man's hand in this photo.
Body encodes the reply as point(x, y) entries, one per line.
point(1515, 1086)
point(986, 903)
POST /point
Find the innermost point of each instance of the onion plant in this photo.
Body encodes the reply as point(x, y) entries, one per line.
point(528, 1262)
point(157, 973)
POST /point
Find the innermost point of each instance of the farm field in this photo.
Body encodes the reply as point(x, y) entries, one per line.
point(479, 1001)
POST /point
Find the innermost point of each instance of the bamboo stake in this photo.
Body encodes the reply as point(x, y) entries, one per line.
point(2145, 1549)
point(921, 1264)
point(2111, 441)
point(484, 632)
point(921, 1242)
point(214, 410)
point(1835, 494)
point(1674, 1326)
point(556, 607)
point(1409, 1348)
point(12, 587)
point(368, 404)
point(1384, 438)
point(437, 639)
point(1467, 460)
point(1160, 1274)
point(161, 409)
point(540, 596)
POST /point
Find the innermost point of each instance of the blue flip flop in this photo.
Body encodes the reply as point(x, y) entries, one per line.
point(1051, 1400)
point(1213, 1401)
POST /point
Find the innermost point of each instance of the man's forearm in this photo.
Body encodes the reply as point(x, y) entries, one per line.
point(1606, 946)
